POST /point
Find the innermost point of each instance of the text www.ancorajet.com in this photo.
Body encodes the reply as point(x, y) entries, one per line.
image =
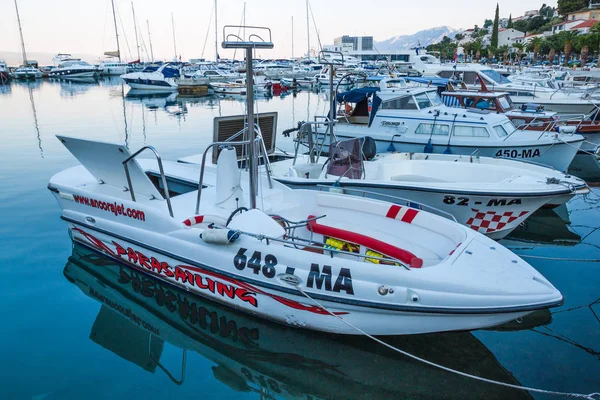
point(117, 209)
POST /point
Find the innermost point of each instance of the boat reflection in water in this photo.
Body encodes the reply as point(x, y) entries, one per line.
point(139, 314)
point(544, 227)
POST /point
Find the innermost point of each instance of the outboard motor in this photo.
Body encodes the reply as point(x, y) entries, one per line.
point(229, 192)
point(369, 148)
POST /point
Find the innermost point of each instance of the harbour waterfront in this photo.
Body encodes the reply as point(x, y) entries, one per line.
point(48, 350)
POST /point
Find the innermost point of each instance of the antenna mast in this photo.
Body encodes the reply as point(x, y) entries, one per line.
point(174, 44)
point(137, 45)
point(21, 33)
point(116, 29)
point(150, 41)
point(307, 31)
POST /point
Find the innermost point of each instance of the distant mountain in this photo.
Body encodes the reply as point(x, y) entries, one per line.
point(14, 58)
point(424, 38)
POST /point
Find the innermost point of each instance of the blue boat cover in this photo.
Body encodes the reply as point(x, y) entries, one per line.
point(428, 80)
point(356, 95)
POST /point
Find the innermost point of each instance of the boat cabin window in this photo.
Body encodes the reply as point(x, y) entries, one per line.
point(434, 98)
point(422, 100)
point(438, 129)
point(500, 131)
point(402, 103)
point(517, 122)
point(470, 131)
point(506, 103)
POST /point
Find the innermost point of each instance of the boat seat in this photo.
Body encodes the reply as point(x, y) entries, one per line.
point(415, 178)
point(377, 245)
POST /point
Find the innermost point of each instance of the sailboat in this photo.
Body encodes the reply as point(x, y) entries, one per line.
point(114, 67)
point(314, 260)
point(27, 70)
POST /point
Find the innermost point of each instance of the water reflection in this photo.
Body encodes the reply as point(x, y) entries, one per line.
point(139, 315)
point(72, 88)
point(545, 226)
point(35, 121)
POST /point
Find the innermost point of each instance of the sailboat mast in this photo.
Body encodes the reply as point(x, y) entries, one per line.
point(150, 41)
point(21, 33)
point(216, 35)
point(174, 44)
point(137, 45)
point(307, 31)
point(292, 36)
point(116, 29)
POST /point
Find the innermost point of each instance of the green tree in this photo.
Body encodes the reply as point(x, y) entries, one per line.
point(567, 6)
point(504, 51)
point(520, 47)
point(595, 33)
point(487, 23)
point(510, 23)
point(535, 45)
point(494, 39)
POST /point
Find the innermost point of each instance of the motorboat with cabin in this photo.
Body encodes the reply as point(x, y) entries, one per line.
point(165, 77)
point(111, 67)
point(544, 92)
point(412, 118)
point(4, 75)
point(27, 72)
point(270, 250)
point(530, 116)
point(73, 68)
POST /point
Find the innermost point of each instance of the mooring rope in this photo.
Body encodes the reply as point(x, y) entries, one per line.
point(591, 396)
point(592, 260)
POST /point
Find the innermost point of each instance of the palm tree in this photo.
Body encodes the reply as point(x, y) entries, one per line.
point(595, 31)
point(536, 44)
point(551, 55)
point(519, 47)
point(584, 54)
point(504, 51)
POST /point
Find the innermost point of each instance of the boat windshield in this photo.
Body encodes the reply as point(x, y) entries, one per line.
point(495, 76)
point(506, 103)
point(434, 98)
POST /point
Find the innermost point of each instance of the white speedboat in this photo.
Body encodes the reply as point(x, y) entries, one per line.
point(73, 68)
point(298, 82)
point(164, 77)
point(27, 72)
point(491, 196)
point(272, 251)
point(413, 119)
point(385, 268)
point(228, 87)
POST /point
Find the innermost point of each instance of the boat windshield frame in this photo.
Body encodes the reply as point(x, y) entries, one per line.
point(495, 76)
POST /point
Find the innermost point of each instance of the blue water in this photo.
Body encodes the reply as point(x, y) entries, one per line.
point(64, 335)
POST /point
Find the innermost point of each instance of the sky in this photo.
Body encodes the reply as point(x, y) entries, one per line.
point(86, 26)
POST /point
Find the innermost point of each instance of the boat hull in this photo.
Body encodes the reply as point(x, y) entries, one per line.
point(73, 74)
point(148, 85)
point(289, 308)
point(557, 155)
point(564, 107)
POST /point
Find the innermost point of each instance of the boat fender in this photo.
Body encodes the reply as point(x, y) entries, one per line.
point(205, 219)
point(219, 236)
point(369, 148)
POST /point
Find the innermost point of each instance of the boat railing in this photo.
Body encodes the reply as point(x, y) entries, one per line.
point(394, 199)
point(476, 154)
point(160, 168)
point(227, 143)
